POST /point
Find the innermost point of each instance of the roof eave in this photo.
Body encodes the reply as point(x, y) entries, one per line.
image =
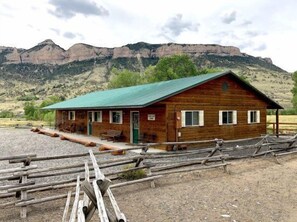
point(99, 107)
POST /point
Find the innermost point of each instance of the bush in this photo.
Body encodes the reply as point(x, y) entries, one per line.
point(49, 117)
point(133, 175)
point(6, 114)
point(35, 112)
point(27, 98)
point(288, 112)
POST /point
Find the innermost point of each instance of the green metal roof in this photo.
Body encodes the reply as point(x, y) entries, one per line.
point(141, 95)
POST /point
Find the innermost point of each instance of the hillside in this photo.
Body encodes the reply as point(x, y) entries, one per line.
point(48, 69)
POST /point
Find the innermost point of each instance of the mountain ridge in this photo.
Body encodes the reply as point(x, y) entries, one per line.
point(47, 69)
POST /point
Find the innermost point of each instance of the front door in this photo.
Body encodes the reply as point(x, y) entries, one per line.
point(134, 126)
point(64, 116)
point(90, 120)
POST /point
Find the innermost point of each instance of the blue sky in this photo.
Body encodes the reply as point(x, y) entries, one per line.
point(266, 28)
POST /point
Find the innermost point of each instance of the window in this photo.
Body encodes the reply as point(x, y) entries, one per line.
point(227, 117)
point(97, 116)
point(71, 115)
point(116, 117)
point(254, 116)
point(192, 118)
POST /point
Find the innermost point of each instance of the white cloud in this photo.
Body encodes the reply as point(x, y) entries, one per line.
point(68, 9)
point(177, 25)
point(229, 17)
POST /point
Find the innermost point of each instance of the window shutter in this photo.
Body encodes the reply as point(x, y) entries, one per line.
point(234, 117)
point(220, 118)
point(201, 118)
point(258, 116)
point(183, 118)
point(249, 117)
point(100, 116)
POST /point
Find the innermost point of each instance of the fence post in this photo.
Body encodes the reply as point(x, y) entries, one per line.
point(66, 209)
point(100, 204)
point(76, 200)
point(24, 196)
point(24, 193)
point(277, 122)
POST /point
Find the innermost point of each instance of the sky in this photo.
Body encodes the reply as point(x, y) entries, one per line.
point(266, 28)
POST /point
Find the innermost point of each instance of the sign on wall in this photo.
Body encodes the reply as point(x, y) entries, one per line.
point(151, 117)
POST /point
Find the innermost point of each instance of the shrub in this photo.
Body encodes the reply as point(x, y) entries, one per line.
point(133, 175)
point(283, 112)
point(288, 112)
point(27, 98)
point(6, 114)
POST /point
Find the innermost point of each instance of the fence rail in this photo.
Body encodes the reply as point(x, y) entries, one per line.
point(284, 128)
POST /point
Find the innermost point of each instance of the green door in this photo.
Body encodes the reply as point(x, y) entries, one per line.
point(135, 126)
point(90, 120)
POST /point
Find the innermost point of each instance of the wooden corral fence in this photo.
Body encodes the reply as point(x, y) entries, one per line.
point(284, 128)
point(91, 187)
point(18, 192)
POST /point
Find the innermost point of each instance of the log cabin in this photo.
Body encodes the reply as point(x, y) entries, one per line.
point(215, 105)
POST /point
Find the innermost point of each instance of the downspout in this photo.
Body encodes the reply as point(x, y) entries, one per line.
point(56, 121)
point(176, 129)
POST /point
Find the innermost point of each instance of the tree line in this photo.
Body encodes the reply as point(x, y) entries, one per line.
point(167, 68)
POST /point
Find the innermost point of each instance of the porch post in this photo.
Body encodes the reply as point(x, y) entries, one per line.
point(55, 121)
point(277, 122)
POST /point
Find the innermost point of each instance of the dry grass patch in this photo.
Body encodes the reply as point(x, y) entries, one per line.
point(12, 122)
point(287, 123)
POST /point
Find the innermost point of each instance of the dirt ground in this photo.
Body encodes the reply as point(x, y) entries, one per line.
point(255, 190)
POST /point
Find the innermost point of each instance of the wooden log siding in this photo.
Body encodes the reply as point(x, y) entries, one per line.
point(211, 98)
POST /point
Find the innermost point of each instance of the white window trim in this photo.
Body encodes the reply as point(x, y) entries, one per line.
point(69, 115)
point(121, 116)
point(93, 116)
point(257, 116)
point(200, 121)
point(234, 117)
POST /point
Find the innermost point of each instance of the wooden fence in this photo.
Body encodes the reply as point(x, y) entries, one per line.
point(284, 128)
point(91, 187)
